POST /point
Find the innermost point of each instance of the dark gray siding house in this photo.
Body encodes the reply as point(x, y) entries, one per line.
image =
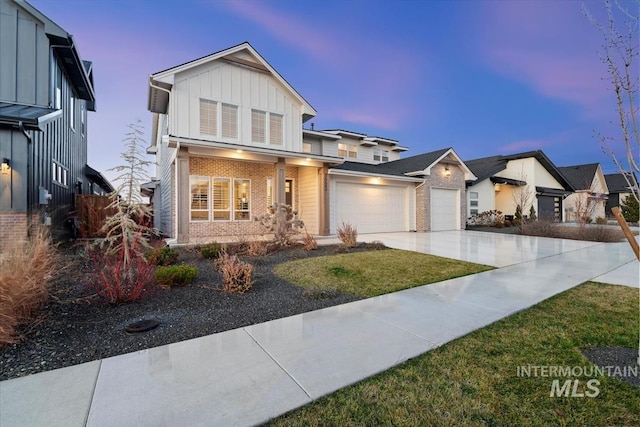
point(46, 90)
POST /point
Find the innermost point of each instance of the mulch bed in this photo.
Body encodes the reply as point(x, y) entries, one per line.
point(75, 328)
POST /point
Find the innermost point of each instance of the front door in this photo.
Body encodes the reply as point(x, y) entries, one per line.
point(288, 192)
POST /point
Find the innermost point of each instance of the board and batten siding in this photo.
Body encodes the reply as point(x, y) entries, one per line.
point(309, 198)
point(24, 49)
point(240, 86)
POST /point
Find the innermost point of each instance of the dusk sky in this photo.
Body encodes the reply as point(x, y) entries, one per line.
point(483, 77)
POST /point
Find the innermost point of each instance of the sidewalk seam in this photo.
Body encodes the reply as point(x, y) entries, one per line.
point(93, 394)
point(278, 363)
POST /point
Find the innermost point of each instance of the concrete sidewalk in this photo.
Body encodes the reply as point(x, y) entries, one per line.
point(250, 375)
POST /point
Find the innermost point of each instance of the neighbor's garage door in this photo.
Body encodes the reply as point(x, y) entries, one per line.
point(445, 213)
point(371, 208)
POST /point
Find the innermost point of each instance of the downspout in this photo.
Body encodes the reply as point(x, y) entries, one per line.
point(29, 190)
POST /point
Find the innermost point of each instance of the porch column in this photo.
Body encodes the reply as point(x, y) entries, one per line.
point(279, 181)
point(184, 195)
point(324, 218)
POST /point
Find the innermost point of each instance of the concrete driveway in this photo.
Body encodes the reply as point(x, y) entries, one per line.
point(249, 375)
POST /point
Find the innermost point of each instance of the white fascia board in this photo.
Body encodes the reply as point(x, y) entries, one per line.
point(321, 134)
point(187, 142)
point(373, 175)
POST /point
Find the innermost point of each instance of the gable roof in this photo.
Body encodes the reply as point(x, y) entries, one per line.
point(69, 57)
point(486, 167)
point(617, 183)
point(580, 176)
point(414, 166)
point(158, 102)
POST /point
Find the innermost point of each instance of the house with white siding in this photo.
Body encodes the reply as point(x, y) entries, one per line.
point(591, 192)
point(229, 139)
point(502, 178)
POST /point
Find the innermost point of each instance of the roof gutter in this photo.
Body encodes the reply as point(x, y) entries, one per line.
point(29, 179)
point(342, 172)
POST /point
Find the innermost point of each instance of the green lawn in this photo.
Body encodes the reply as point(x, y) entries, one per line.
point(473, 380)
point(374, 273)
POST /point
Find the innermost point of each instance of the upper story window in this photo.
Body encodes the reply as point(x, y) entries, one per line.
point(345, 150)
point(380, 155)
point(306, 147)
point(83, 118)
point(218, 119)
point(59, 174)
point(72, 112)
point(267, 126)
point(57, 85)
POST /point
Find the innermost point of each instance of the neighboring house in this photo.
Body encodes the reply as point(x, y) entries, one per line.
point(46, 90)
point(590, 194)
point(229, 141)
point(619, 190)
point(504, 179)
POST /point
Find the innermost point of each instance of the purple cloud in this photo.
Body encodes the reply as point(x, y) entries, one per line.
point(550, 46)
point(368, 73)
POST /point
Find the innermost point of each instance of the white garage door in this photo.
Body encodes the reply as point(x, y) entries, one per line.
point(371, 208)
point(445, 213)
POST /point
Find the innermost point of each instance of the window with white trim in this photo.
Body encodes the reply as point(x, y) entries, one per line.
point(199, 198)
point(473, 203)
point(229, 121)
point(380, 155)
point(269, 191)
point(221, 199)
point(59, 174)
point(267, 127)
point(72, 112)
point(218, 119)
point(242, 199)
point(208, 117)
point(276, 136)
point(345, 151)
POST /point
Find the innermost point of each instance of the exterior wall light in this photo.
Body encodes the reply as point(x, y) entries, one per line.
point(6, 166)
point(447, 172)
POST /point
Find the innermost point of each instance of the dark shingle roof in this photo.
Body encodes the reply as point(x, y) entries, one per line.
point(396, 167)
point(580, 176)
point(616, 183)
point(486, 167)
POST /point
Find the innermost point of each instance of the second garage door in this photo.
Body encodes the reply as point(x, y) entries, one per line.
point(371, 208)
point(445, 211)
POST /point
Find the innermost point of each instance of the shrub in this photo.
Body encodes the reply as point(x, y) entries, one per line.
point(499, 224)
point(237, 276)
point(487, 218)
point(211, 251)
point(162, 256)
point(257, 248)
point(599, 234)
point(118, 280)
point(176, 275)
point(532, 214)
point(282, 221)
point(347, 234)
point(601, 220)
point(518, 214)
point(540, 228)
point(630, 209)
point(318, 292)
point(25, 271)
point(376, 245)
point(507, 223)
point(309, 243)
